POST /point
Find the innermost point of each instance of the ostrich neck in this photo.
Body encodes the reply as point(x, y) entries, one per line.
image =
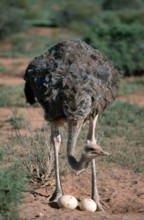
point(76, 165)
point(73, 132)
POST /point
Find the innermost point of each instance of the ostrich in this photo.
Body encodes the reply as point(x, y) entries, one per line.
point(73, 83)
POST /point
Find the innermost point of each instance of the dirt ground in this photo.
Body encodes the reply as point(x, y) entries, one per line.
point(121, 189)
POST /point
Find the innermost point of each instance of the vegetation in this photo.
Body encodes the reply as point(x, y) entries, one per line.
point(119, 39)
point(32, 44)
point(11, 96)
point(114, 27)
point(17, 120)
point(12, 14)
point(128, 87)
point(122, 4)
point(123, 135)
point(38, 155)
point(12, 182)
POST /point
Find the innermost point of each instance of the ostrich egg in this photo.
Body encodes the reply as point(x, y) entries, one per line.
point(88, 205)
point(67, 201)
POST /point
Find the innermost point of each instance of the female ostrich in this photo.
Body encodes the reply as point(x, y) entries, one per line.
point(73, 82)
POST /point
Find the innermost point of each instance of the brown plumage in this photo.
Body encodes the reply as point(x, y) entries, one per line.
point(73, 82)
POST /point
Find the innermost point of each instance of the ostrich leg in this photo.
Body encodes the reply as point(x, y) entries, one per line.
point(91, 139)
point(56, 140)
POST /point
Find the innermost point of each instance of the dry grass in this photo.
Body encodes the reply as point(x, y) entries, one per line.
point(36, 154)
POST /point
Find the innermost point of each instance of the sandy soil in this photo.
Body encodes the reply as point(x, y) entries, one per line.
point(133, 99)
point(121, 189)
point(14, 67)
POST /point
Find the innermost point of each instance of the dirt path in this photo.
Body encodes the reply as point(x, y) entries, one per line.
point(133, 99)
point(13, 67)
point(10, 80)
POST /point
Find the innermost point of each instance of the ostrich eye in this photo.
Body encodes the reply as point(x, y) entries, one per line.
point(89, 149)
point(30, 71)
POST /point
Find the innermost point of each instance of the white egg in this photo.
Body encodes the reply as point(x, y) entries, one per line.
point(67, 201)
point(88, 205)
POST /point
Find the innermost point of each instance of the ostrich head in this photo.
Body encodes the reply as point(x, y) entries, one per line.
point(91, 151)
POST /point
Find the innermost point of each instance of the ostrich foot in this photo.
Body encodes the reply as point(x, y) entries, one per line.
point(56, 195)
point(101, 205)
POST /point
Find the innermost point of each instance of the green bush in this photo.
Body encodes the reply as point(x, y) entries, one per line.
point(122, 4)
point(74, 11)
point(132, 16)
point(11, 21)
point(13, 15)
point(16, 3)
point(123, 42)
point(12, 182)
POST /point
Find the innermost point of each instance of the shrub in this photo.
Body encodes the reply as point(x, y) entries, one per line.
point(123, 42)
point(74, 11)
point(12, 182)
point(122, 4)
point(132, 16)
point(17, 120)
point(38, 155)
point(12, 16)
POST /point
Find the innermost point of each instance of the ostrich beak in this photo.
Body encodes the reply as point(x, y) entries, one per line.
point(104, 153)
point(99, 151)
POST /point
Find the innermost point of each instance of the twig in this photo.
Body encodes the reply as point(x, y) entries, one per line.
point(36, 193)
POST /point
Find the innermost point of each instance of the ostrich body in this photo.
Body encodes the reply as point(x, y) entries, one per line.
point(73, 82)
